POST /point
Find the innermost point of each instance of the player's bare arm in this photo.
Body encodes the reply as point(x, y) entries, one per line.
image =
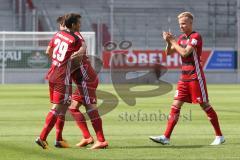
point(49, 50)
point(169, 48)
point(80, 52)
point(184, 52)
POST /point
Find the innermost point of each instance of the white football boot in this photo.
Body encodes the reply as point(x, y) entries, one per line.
point(218, 140)
point(160, 139)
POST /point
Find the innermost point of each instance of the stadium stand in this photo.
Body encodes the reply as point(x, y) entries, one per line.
point(136, 20)
point(7, 18)
point(142, 22)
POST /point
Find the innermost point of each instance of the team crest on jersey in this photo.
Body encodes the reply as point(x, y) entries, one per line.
point(194, 42)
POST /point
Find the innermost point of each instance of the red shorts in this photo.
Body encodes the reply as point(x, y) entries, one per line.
point(86, 92)
point(192, 91)
point(59, 93)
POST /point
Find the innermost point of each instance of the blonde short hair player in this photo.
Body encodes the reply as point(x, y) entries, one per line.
point(192, 86)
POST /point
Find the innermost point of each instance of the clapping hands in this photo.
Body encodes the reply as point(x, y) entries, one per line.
point(167, 36)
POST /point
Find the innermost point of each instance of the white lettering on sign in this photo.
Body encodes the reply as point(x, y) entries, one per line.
point(11, 55)
point(136, 59)
point(153, 58)
point(173, 60)
point(131, 59)
point(142, 59)
point(116, 59)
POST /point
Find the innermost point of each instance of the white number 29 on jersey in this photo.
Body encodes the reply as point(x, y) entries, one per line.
point(60, 50)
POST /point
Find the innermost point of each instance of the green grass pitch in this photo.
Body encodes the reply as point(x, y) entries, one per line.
point(24, 107)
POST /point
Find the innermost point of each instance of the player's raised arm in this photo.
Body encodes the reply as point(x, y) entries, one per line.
point(169, 48)
point(184, 52)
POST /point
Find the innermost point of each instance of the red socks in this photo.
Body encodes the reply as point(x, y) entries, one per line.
point(81, 122)
point(53, 117)
point(174, 116)
point(172, 121)
point(59, 127)
point(212, 116)
point(49, 124)
point(97, 124)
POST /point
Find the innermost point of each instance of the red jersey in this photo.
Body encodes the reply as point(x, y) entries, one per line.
point(86, 70)
point(191, 65)
point(64, 43)
point(82, 40)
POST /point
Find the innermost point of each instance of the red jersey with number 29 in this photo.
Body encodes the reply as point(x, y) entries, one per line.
point(64, 44)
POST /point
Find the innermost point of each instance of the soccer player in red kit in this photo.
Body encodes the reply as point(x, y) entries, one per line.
point(64, 44)
point(192, 84)
point(60, 142)
point(87, 81)
point(83, 74)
